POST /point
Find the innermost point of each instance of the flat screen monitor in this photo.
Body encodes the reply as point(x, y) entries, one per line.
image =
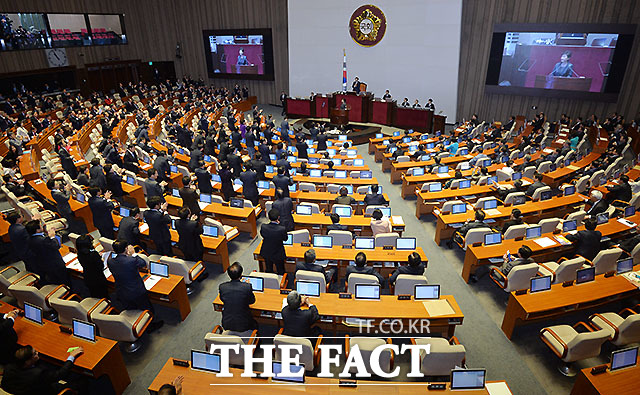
point(205, 198)
point(516, 175)
point(396, 134)
point(533, 232)
point(431, 145)
point(292, 159)
point(463, 151)
point(406, 139)
point(124, 212)
point(257, 283)
point(175, 192)
point(435, 187)
point(546, 195)
point(518, 200)
point(464, 184)
point(366, 174)
point(337, 161)
point(443, 169)
point(365, 243)
point(569, 226)
point(314, 161)
point(602, 218)
point(386, 211)
point(174, 169)
point(216, 178)
point(624, 358)
point(552, 167)
point(303, 209)
point(239, 53)
point(68, 30)
point(490, 204)
point(315, 173)
point(159, 269)
point(202, 360)
point(418, 171)
point(237, 203)
point(406, 243)
point(540, 284)
point(426, 291)
point(504, 159)
point(84, 330)
point(293, 188)
point(459, 208)
point(311, 150)
point(567, 162)
point(492, 180)
point(492, 238)
point(352, 152)
point(322, 241)
point(289, 240)
point(624, 265)
point(308, 288)
point(486, 163)
point(585, 275)
point(344, 212)
point(367, 291)
point(207, 158)
point(80, 197)
point(340, 174)
point(465, 165)
point(263, 184)
point(298, 373)
point(270, 168)
point(131, 180)
point(332, 152)
point(629, 211)
point(379, 135)
point(358, 162)
point(208, 230)
point(467, 379)
point(570, 190)
point(33, 313)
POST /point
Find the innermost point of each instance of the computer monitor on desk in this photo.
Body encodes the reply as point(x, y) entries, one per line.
point(622, 359)
point(365, 243)
point(208, 230)
point(33, 313)
point(308, 288)
point(202, 360)
point(467, 379)
point(84, 330)
point(367, 291)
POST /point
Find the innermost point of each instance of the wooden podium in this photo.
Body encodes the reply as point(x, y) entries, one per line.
point(249, 69)
point(339, 117)
point(564, 83)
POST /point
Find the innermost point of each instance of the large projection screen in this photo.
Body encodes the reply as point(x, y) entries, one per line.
point(418, 57)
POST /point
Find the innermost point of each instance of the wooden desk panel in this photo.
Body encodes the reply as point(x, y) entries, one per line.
point(80, 210)
point(624, 381)
point(102, 357)
point(358, 224)
point(27, 165)
point(555, 178)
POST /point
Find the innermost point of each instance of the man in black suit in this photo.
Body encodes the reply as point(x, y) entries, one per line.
point(310, 265)
point(189, 196)
point(195, 157)
point(101, 209)
point(152, 186)
point(131, 159)
point(284, 205)
point(302, 147)
point(114, 182)
point(162, 165)
point(298, 322)
point(236, 140)
point(284, 163)
point(20, 239)
point(620, 192)
point(25, 376)
point(587, 242)
point(129, 228)
point(45, 246)
point(356, 85)
point(361, 267)
point(159, 221)
point(235, 163)
point(322, 141)
point(375, 198)
point(282, 181)
point(66, 161)
point(8, 336)
point(515, 219)
point(335, 223)
point(272, 250)
point(598, 204)
point(415, 267)
point(203, 178)
point(61, 197)
point(537, 184)
point(98, 177)
point(523, 257)
point(189, 231)
point(249, 180)
point(264, 150)
point(237, 297)
point(259, 166)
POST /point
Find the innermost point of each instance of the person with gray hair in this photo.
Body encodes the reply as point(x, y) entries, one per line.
point(310, 265)
point(598, 204)
point(298, 322)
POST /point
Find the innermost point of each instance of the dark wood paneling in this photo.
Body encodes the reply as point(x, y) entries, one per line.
point(478, 18)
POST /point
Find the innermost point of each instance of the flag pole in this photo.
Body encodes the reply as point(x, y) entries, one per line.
point(344, 70)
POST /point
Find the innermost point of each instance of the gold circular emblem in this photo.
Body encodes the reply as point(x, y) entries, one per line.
point(367, 25)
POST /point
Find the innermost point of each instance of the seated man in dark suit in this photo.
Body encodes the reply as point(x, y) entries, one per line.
point(504, 192)
point(523, 257)
point(101, 208)
point(273, 237)
point(620, 192)
point(375, 198)
point(598, 204)
point(515, 219)
point(298, 322)
point(335, 223)
point(8, 337)
point(362, 268)
point(25, 376)
point(158, 221)
point(415, 266)
point(537, 184)
point(237, 297)
point(309, 265)
point(461, 233)
point(587, 242)
point(344, 198)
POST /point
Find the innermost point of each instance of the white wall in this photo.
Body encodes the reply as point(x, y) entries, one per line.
point(418, 57)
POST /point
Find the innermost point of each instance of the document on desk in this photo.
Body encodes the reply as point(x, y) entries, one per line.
point(443, 175)
point(492, 211)
point(151, 281)
point(626, 222)
point(437, 308)
point(572, 167)
point(562, 240)
point(500, 388)
point(107, 272)
point(144, 227)
point(202, 205)
point(397, 220)
point(236, 187)
point(544, 242)
point(69, 257)
point(549, 150)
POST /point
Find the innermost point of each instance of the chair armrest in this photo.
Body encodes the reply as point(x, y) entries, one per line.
point(454, 341)
point(253, 338)
point(616, 330)
point(198, 264)
point(217, 329)
point(46, 299)
point(560, 260)
point(587, 260)
point(620, 201)
point(9, 268)
point(67, 391)
point(346, 345)
point(501, 275)
point(137, 333)
point(316, 351)
point(392, 356)
point(73, 297)
point(283, 282)
point(546, 267)
point(582, 324)
point(627, 310)
point(91, 310)
point(558, 339)
point(280, 331)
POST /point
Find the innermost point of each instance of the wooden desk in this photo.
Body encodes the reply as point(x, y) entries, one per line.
point(358, 224)
point(4, 230)
point(373, 141)
point(356, 182)
point(427, 201)
point(555, 178)
point(201, 382)
point(623, 381)
point(399, 168)
point(80, 210)
point(26, 164)
point(100, 358)
point(170, 292)
point(135, 192)
point(335, 310)
point(559, 300)
point(340, 257)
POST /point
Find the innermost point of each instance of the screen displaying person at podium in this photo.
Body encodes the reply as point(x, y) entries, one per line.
point(565, 61)
point(236, 54)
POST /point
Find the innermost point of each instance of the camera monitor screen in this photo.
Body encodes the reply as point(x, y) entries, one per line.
point(23, 31)
point(585, 275)
point(239, 53)
point(257, 283)
point(367, 291)
point(33, 313)
point(84, 330)
point(406, 243)
point(107, 29)
point(208, 230)
point(624, 265)
point(533, 232)
point(295, 369)
point(492, 238)
point(159, 269)
point(202, 360)
point(425, 292)
point(540, 284)
point(465, 379)
point(624, 358)
point(365, 243)
point(308, 288)
point(343, 211)
point(322, 241)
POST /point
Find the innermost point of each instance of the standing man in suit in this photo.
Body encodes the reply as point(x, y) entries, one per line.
point(430, 105)
point(310, 265)
point(152, 186)
point(101, 209)
point(114, 182)
point(284, 131)
point(237, 297)
point(361, 267)
point(322, 141)
point(195, 157)
point(249, 180)
point(387, 95)
point(9, 342)
point(587, 242)
point(302, 147)
point(203, 178)
point(61, 196)
point(284, 205)
point(415, 267)
point(250, 139)
point(159, 221)
point(45, 246)
point(131, 159)
point(20, 239)
point(282, 181)
point(335, 223)
point(265, 151)
point(259, 166)
point(130, 291)
point(356, 85)
point(129, 228)
point(98, 177)
point(162, 166)
point(273, 236)
point(189, 231)
point(598, 204)
point(283, 100)
point(235, 162)
point(189, 196)
point(298, 322)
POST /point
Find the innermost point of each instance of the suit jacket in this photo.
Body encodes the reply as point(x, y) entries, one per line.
point(619, 192)
point(298, 322)
point(126, 273)
point(302, 147)
point(599, 207)
point(8, 345)
point(20, 241)
point(363, 270)
point(264, 151)
point(322, 142)
point(36, 380)
point(93, 273)
point(161, 164)
point(285, 207)
point(533, 187)
point(98, 177)
point(47, 259)
point(586, 242)
point(406, 269)
point(282, 182)
point(260, 168)
point(190, 200)
point(312, 267)
point(129, 230)
point(203, 178)
point(114, 184)
point(153, 188)
point(249, 184)
point(235, 164)
point(518, 261)
point(195, 157)
point(62, 202)
point(510, 223)
point(273, 236)
point(237, 296)
point(189, 239)
point(337, 227)
point(158, 229)
point(101, 210)
point(376, 200)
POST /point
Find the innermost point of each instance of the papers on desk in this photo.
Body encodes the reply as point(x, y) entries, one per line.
point(69, 257)
point(496, 261)
point(492, 211)
point(561, 141)
point(75, 265)
point(107, 272)
point(202, 205)
point(545, 242)
point(633, 278)
point(313, 166)
point(397, 220)
point(572, 167)
point(525, 182)
point(38, 181)
point(151, 281)
point(437, 308)
point(549, 150)
point(443, 175)
point(144, 227)
point(562, 240)
point(626, 222)
point(284, 303)
point(236, 187)
point(500, 388)
point(260, 190)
